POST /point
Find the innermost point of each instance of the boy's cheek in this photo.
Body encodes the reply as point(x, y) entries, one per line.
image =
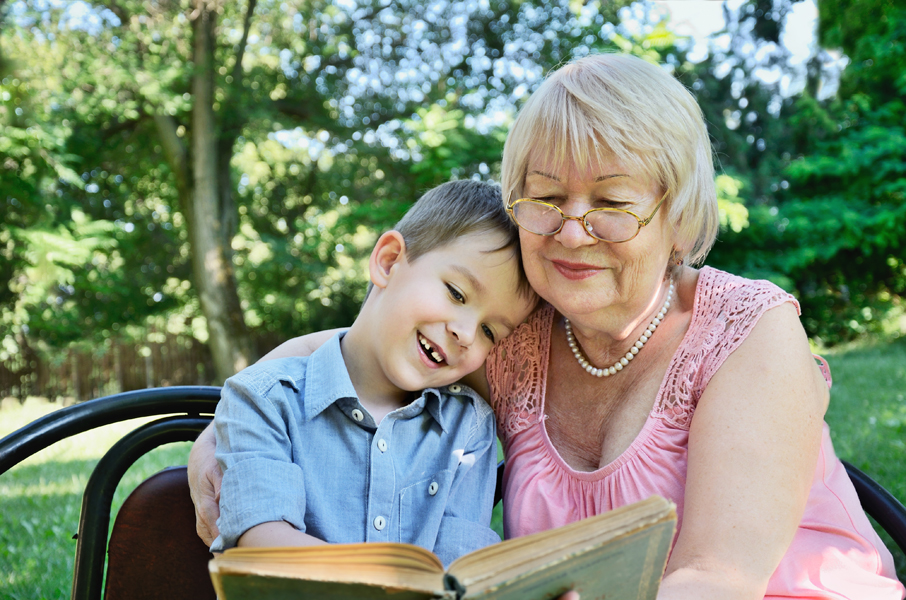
point(476, 359)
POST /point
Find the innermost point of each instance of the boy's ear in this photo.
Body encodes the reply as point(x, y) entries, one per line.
point(388, 252)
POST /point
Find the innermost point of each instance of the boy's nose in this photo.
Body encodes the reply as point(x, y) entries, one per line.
point(463, 332)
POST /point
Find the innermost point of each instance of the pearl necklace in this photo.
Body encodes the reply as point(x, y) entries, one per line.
point(617, 366)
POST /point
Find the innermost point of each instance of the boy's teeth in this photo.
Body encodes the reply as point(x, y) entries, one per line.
point(431, 352)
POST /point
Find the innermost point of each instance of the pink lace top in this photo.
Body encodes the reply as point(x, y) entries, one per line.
point(835, 553)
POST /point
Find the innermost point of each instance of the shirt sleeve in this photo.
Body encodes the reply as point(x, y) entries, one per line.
point(261, 483)
point(465, 525)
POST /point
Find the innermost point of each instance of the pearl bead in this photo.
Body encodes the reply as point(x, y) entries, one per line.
point(633, 351)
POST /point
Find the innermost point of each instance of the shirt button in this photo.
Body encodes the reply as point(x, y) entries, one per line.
point(455, 388)
point(380, 523)
point(382, 445)
point(357, 414)
point(432, 489)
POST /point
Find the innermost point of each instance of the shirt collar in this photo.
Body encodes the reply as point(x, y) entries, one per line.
point(432, 405)
point(326, 378)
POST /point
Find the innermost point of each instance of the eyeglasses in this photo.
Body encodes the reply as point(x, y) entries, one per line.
point(613, 225)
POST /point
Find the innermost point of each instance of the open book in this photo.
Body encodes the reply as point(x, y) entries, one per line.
point(619, 555)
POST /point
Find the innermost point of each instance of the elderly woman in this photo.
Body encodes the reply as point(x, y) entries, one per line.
point(641, 375)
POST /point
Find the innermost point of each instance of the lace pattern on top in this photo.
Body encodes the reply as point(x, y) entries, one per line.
point(725, 310)
point(517, 373)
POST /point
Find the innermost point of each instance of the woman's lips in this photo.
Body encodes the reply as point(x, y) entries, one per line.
point(575, 271)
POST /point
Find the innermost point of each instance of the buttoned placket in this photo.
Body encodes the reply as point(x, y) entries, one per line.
point(382, 492)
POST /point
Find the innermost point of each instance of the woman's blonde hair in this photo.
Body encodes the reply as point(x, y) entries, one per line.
point(607, 106)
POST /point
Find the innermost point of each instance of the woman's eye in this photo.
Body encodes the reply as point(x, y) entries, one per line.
point(609, 203)
point(455, 294)
point(487, 331)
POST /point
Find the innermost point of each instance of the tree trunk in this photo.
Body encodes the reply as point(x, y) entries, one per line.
point(210, 230)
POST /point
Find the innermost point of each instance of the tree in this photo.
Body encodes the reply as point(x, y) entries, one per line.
point(831, 229)
point(258, 146)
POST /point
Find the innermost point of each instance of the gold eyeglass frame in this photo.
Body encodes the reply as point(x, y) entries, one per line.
point(583, 218)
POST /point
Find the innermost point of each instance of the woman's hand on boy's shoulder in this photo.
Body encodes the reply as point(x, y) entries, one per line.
point(304, 345)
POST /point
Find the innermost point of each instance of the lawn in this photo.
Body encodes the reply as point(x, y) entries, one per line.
point(40, 499)
point(867, 416)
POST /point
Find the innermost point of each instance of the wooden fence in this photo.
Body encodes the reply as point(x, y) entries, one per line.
point(117, 366)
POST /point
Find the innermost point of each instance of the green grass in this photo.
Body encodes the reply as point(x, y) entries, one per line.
point(867, 416)
point(40, 499)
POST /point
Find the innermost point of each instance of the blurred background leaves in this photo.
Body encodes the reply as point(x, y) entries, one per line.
point(139, 139)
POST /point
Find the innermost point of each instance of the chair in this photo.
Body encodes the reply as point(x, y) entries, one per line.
point(154, 551)
point(880, 505)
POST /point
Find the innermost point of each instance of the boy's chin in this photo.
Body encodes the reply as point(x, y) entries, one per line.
point(417, 385)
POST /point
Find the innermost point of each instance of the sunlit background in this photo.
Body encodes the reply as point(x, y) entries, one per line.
point(181, 191)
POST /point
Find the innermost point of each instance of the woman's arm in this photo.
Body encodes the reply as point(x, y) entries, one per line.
point(753, 447)
point(204, 473)
point(277, 533)
point(303, 345)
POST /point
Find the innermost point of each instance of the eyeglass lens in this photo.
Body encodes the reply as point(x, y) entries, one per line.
point(611, 226)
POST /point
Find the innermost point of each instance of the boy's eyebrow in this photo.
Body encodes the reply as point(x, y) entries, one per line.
point(480, 289)
point(473, 281)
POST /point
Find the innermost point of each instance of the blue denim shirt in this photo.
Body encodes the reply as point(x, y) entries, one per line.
point(296, 445)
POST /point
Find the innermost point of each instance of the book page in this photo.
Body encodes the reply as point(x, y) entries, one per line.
point(500, 562)
point(402, 566)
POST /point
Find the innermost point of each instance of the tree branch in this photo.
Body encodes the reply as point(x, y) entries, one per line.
point(120, 126)
point(174, 149)
point(232, 122)
point(243, 43)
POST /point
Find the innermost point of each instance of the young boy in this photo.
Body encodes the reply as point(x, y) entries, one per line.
point(369, 439)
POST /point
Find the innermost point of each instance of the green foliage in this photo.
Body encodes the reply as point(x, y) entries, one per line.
point(332, 119)
point(827, 219)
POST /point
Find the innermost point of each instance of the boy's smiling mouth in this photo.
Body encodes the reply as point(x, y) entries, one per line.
point(433, 354)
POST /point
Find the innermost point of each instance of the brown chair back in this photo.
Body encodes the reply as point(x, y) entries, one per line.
point(154, 551)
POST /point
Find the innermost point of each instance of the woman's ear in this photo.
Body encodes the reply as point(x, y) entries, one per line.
point(388, 252)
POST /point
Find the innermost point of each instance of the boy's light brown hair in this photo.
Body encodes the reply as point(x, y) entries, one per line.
point(454, 209)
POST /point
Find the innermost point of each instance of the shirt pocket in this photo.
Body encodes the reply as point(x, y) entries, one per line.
point(422, 507)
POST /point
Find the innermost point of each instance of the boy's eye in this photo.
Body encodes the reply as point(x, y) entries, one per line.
point(456, 294)
point(487, 331)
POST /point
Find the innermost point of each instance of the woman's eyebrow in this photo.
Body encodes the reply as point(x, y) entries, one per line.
point(543, 174)
point(597, 179)
point(604, 177)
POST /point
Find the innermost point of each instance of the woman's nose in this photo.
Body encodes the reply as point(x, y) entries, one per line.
point(573, 233)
